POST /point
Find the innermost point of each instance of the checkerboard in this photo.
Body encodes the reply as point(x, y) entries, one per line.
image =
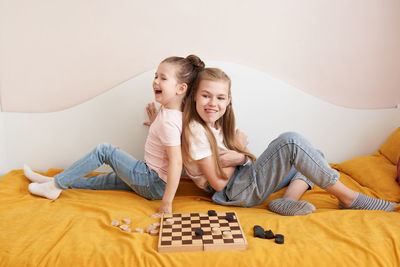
point(180, 236)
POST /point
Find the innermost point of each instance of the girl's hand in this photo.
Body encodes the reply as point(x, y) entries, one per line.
point(231, 158)
point(151, 113)
point(241, 139)
point(164, 209)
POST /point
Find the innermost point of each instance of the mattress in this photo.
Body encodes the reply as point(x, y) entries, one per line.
point(75, 229)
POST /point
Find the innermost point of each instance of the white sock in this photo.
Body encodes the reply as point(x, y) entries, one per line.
point(48, 190)
point(35, 177)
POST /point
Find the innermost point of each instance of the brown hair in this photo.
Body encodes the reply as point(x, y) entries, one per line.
point(226, 122)
point(189, 68)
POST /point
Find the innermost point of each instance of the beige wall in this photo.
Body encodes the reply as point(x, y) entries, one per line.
point(56, 54)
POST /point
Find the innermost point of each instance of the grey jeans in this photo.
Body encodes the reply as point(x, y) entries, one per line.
point(253, 183)
point(129, 173)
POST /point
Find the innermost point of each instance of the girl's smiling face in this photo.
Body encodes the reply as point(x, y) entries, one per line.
point(165, 84)
point(212, 98)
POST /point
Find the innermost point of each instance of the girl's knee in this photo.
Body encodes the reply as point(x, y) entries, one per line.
point(320, 152)
point(290, 137)
point(104, 148)
point(104, 152)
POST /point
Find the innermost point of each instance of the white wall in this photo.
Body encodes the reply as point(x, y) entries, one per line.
point(264, 107)
point(3, 159)
point(56, 139)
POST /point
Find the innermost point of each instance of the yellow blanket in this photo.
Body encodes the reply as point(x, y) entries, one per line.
point(75, 229)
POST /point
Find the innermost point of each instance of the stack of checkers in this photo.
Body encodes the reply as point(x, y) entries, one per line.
point(260, 233)
point(181, 232)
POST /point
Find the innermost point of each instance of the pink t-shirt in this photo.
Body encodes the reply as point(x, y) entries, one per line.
point(165, 130)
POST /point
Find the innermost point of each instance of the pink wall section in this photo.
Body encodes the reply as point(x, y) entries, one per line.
point(57, 54)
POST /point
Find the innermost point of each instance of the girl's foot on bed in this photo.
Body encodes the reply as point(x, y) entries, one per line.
point(48, 190)
point(290, 207)
point(35, 177)
point(363, 202)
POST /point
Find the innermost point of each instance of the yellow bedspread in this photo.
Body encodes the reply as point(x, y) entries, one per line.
point(75, 230)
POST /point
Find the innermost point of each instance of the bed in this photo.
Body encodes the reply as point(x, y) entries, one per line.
point(75, 230)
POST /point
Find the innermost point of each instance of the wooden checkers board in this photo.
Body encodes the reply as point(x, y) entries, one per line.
point(180, 236)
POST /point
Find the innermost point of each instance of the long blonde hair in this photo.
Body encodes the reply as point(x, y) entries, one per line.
point(226, 122)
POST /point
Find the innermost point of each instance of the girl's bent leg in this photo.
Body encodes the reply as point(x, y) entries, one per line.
point(252, 184)
point(109, 181)
point(289, 204)
point(296, 189)
point(134, 173)
point(286, 181)
point(99, 155)
point(293, 149)
point(290, 149)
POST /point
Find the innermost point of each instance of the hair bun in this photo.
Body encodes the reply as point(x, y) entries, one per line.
point(196, 61)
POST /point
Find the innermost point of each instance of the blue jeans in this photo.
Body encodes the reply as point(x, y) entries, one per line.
point(129, 174)
point(253, 183)
point(294, 175)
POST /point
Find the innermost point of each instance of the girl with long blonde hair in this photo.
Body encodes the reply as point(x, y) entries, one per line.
point(215, 156)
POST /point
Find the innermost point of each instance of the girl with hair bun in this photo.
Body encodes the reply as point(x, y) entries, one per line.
point(158, 176)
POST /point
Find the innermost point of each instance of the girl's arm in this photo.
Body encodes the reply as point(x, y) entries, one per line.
point(209, 169)
point(231, 158)
point(174, 175)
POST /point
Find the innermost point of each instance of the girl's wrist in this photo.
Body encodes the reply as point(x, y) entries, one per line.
point(166, 202)
point(245, 159)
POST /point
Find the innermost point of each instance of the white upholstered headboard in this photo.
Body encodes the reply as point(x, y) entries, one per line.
point(264, 107)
